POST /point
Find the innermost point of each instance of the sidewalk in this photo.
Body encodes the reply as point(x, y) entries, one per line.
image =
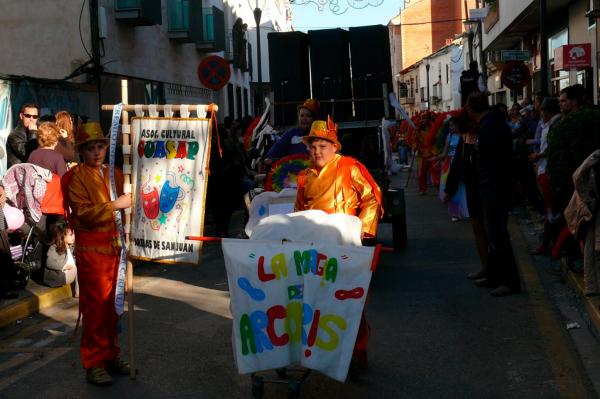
point(531, 231)
point(31, 300)
point(36, 297)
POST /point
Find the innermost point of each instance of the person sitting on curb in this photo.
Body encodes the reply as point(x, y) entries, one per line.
point(60, 265)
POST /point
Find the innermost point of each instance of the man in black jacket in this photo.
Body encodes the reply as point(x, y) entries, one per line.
point(22, 140)
point(493, 161)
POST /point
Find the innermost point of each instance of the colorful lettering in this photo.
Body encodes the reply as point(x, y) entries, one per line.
point(334, 338)
point(247, 335)
point(262, 275)
point(279, 266)
point(331, 268)
point(276, 313)
point(259, 322)
point(193, 148)
point(295, 291)
point(171, 149)
point(293, 322)
point(181, 150)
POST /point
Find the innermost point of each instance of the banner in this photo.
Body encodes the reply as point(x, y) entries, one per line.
point(296, 303)
point(170, 172)
point(5, 122)
point(121, 272)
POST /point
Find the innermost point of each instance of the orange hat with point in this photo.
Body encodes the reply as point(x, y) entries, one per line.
point(312, 105)
point(323, 131)
point(90, 131)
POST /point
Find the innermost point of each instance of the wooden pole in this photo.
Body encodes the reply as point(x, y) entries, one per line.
point(174, 107)
point(129, 277)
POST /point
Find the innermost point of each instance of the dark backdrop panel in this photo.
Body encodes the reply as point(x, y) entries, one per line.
point(371, 67)
point(289, 73)
point(330, 71)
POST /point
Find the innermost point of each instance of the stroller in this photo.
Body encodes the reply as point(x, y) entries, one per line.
point(37, 193)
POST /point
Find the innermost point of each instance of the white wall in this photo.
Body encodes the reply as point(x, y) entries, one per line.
point(40, 38)
point(508, 11)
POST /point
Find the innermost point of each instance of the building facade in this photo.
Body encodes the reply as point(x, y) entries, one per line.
point(425, 27)
point(516, 26)
point(155, 45)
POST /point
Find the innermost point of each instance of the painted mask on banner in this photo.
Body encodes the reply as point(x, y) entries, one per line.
point(169, 194)
point(150, 202)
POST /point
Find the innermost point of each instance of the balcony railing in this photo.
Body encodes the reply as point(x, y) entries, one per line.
point(407, 100)
point(138, 12)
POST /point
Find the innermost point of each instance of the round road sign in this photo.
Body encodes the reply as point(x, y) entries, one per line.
point(515, 75)
point(214, 72)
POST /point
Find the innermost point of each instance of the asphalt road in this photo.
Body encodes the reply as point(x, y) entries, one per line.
point(435, 335)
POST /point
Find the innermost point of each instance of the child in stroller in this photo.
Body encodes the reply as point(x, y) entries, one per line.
point(36, 192)
point(10, 219)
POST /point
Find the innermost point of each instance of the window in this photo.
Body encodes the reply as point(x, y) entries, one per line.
point(230, 101)
point(447, 73)
point(560, 80)
point(238, 98)
point(422, 94)
point(557, 40)
point(592, 5)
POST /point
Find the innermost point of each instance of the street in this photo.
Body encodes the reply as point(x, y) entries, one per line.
point(434, 334)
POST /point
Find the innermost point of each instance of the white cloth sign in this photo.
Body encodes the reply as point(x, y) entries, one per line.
point(170, 172)
point(296, 303)
point(313, 226)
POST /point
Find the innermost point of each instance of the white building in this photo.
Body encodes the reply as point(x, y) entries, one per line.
point(156, 45)
point(433, 82)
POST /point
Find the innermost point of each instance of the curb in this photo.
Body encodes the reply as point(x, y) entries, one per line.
point(592, 304)
point(38, 298)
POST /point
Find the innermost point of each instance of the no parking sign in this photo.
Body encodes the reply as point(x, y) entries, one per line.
point(214, 72)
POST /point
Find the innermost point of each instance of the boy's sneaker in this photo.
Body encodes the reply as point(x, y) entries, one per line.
point(118, 366)
point(98, 376)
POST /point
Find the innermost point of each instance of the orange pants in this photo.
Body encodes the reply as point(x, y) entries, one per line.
point(423, 170)
point(97, 274)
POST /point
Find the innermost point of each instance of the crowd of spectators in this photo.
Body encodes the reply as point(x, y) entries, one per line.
point(522, 156)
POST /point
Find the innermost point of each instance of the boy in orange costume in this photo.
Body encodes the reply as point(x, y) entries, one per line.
point(86, 190)
point(340, 184)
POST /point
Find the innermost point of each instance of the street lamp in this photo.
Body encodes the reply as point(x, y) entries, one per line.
point(258, 6)
point(428, 98)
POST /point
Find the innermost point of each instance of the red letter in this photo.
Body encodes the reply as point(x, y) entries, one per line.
point(276, 312)
point(181, 150)
point(262, 276)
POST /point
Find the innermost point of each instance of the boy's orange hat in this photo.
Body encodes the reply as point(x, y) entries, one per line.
point(324, 131)
point(90, 131)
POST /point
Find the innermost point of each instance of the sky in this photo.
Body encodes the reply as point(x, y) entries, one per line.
point(321, 14)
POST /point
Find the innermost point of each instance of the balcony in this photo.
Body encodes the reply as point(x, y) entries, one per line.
point(185, 21)
point(407, 100)
point(213, 31)
point(138, 12)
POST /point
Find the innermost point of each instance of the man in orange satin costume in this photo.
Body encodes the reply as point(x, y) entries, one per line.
point(86, 190)
point(340, 184)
